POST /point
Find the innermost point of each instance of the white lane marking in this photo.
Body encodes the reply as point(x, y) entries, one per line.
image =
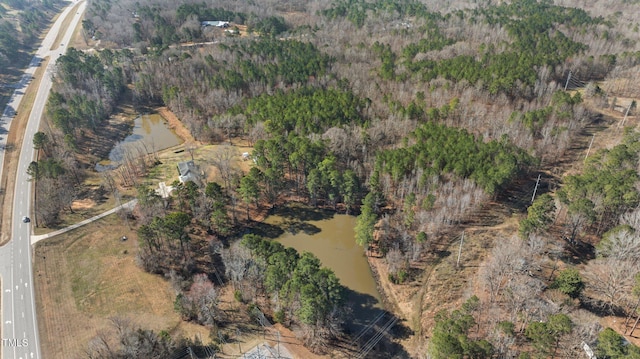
point(16, 287)
point(26, 284)
point(23, 314)
point(19, 265)
point(21, 296)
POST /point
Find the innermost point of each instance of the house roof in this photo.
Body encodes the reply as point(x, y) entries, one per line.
point(187, 170)
point(215, 23)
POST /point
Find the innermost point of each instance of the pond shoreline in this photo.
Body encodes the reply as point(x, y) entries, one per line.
point(176, 125)
point(330, 236)
point(154, 130)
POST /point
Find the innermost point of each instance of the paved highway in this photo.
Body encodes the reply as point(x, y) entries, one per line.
point(19, 324)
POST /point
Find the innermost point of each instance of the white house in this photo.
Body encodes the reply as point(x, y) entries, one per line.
point(220, 24)
point(187, 171)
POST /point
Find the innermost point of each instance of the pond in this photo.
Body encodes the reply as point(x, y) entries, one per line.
point(331, 238)
point(150, 132)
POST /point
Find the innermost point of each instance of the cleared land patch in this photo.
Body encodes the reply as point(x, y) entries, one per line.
point(89, 275)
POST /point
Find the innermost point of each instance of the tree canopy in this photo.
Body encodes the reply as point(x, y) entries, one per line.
point(299, 281)
point(439, 149)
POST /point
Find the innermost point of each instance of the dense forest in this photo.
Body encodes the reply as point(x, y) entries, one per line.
point(415, 116)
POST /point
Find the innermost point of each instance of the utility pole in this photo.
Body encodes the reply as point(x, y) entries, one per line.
point(621, 124)
point(278, 346)
point(119, 204)
point(589, 149)
point(535, 189)
point(567, 83)
point(460, 250)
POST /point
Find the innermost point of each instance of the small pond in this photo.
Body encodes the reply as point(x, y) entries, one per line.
point(331, 238)
point(150, 131)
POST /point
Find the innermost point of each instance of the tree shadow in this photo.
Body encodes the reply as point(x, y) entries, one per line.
point(302, 213)
point(516, 194)
point(372, 329)
point(9, 111)
point(265, 230)
point(579, 252)
point(601, 308)
point(294, 227)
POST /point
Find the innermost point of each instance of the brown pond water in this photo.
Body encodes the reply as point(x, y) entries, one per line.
point(150, 131)
point(331, 238)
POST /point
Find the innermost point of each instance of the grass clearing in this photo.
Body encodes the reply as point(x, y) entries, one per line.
point(86, 276)
point(204, 156)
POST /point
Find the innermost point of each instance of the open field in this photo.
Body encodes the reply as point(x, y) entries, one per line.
point(89, 275)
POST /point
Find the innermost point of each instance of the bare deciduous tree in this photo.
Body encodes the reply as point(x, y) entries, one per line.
point(609, 282)
point(223, 160)
point(191, 148)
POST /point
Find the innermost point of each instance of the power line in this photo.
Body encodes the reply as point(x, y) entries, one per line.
point(369, 345)
point(367, 327)
point(621, 123)
point(574, 81)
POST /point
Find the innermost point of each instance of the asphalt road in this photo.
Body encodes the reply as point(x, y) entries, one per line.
point(19, 324)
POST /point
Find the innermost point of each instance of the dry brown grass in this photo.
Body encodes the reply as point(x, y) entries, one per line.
point(87, 276)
